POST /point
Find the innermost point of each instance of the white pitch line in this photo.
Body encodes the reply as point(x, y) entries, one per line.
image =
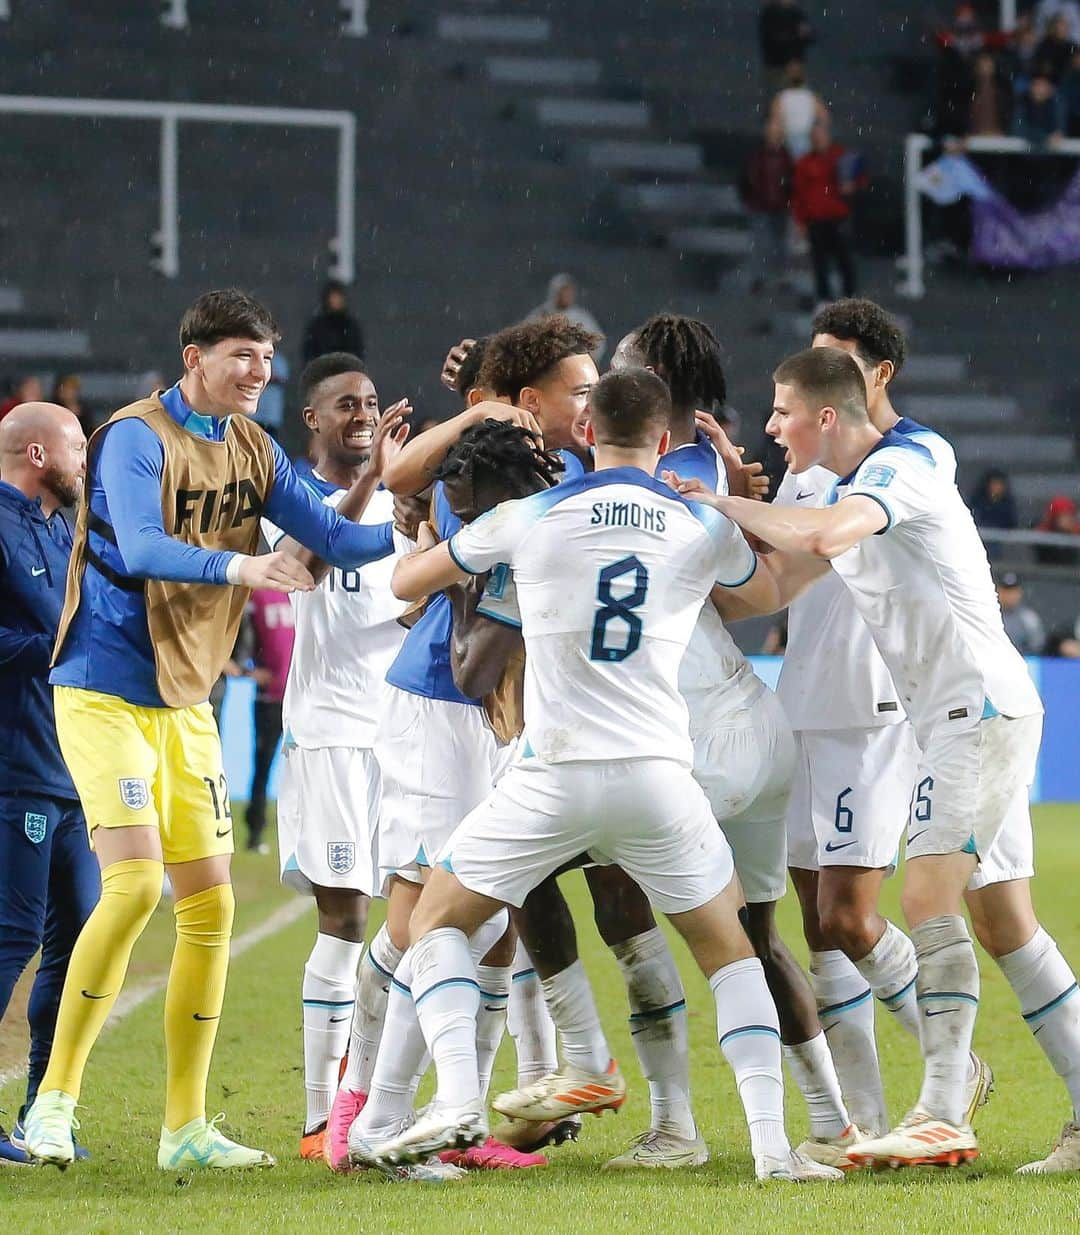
point(128, 1001)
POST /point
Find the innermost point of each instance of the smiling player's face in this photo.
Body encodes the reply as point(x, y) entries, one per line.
point(233, 374)
point(343, 414)
point(562, 402)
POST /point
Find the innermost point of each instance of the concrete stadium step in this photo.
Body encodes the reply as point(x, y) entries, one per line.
point(1015, 450)
point(654, 158)
point(26, 344)
point(688, 198)
point(961, 409)
point(1040, 487)
point(722, 242)
point(542, 71)
point(594, 113)
point(492, 28)
point(11, 300)
point(930, 369)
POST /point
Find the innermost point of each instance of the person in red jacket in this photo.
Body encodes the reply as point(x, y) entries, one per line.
point(765, 190)
point(824, 180)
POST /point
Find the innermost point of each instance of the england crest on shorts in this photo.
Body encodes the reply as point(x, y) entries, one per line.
point(341, 856)
point(34, 826)
point(134, 792)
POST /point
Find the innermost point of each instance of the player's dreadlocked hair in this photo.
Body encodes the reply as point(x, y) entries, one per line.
point(874, 332)
point(522, 355)
point(469, 371)
point(499, 461)
point(687, 355)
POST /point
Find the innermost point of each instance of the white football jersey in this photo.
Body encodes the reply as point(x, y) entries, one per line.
point(610, 572)
point(347, 635)
point(833, 676)
point(923, 587)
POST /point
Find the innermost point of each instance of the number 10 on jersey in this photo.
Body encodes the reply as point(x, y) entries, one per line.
point(616, 632)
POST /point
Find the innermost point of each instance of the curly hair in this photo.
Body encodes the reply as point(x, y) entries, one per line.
point(333, 364)
point(524, 354)
point(875, 333)
point(686, 354)
point(501, 460)
point(469, 371)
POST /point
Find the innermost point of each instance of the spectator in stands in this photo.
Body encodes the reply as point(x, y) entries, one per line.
point(1059, 517)
point(1022, 624)
point(821, 191)
point(1070, 97)
point(1018, 58)
point(65, 392)
point(271, 412)
point(1055, 51)
point(562, 297)
point(25, 389)
point(1063, 644)
point(271, 618)
point(1040, 113)
point(992, 503)
point(1046, 11)
point(765, 190)
point(991, 99)
point(784, 33)
point(796, 108)
point(333, 328)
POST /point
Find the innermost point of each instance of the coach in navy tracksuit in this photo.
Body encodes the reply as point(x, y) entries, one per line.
point(49, 879)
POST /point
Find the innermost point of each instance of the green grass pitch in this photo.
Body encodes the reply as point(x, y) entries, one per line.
point(257, 1079)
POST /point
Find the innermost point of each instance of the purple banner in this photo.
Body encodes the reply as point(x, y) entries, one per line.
point(1002, 236)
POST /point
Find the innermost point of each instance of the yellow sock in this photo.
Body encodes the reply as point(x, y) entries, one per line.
point(193, 999)
point(129, 893)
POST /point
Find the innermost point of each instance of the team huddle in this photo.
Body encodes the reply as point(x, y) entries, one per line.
point(512, 660)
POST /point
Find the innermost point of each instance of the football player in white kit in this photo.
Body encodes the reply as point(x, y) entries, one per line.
point(856, 744)
point(346, 636)
point(743, 759)
point(896, 531)
point(607, 766)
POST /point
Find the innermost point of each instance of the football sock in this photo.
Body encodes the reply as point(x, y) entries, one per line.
point(130, 892)
point(373, 989)
point(490, 1018)
point(329, 992)
point(948, 995)
point(401, 1055)
point(749, 1033)
point(846, 1009)
point(447, 995)
point(812, 1067)
point(193, 999)
point(529, 1022)
point(889, 969)
point(658, 1028)
point(1050, 1003)
point(573, 1009)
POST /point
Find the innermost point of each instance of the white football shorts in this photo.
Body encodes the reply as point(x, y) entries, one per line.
point(850, 796)
point(745, 761)
point(968, 782)
point(439, 760)
point(648, 816)
point(327, 812)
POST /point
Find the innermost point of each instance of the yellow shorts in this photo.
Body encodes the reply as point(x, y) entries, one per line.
point(156, 767)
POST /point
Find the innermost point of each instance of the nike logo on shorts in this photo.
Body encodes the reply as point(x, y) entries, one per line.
point(832, 846)
point(196, 1016)
point(87, 995)
point(799, 497)
point(219, 835)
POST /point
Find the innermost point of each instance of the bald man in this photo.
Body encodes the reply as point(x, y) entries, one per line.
point(49, 879)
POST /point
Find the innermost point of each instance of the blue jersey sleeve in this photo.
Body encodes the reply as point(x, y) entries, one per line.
point(298, 511)
point(129, 467)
